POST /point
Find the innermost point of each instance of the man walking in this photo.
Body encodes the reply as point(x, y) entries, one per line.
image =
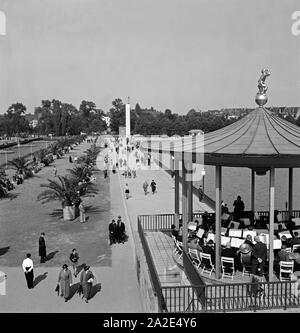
point(74, 256)
point(112, 228)
point(86, 282)
point(42, 248)
point(153, 186)
point(55, 171)
point(120, 230)
point(27, 266)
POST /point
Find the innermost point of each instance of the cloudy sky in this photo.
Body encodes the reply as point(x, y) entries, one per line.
point(177, 54)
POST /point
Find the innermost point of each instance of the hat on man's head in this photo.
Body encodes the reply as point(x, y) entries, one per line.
point(86, 267)
point(65, 266)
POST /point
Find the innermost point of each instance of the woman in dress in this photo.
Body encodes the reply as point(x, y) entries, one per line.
point(65, 281)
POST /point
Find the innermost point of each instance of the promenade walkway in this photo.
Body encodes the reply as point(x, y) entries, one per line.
point(113, 266)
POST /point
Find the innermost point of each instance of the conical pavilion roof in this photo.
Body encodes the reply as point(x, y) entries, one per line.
point(260, 140)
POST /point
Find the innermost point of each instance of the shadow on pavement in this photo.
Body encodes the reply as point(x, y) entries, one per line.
point(95, 289)
point(57, 213)
point(80, 268)
point(10, 196)
point(51, 255)
point(3, 250)
point(73, 289)
point(40, 278)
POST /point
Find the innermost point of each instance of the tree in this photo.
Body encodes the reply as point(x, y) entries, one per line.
point(15, 121)
point(117, 115)
point(21, 165)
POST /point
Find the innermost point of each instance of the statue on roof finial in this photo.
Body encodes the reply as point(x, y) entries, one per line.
point(261, 97)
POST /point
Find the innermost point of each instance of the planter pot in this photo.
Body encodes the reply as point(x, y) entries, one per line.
point(69, 213)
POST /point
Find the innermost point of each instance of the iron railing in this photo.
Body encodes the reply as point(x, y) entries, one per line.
point(152, 270)
point(232, 297)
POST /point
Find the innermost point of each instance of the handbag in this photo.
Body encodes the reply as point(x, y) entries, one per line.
point(57, 288)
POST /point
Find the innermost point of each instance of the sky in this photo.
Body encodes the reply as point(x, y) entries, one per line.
point(176, 54)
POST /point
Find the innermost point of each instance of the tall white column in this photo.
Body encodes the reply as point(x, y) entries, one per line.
point(271, 223)
point(127, 115)
point(2, 23)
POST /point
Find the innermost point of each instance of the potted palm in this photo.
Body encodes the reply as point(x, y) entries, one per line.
point(66, 190)
point(22, 166)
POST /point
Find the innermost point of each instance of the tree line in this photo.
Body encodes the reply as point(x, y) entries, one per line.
point(55, 117)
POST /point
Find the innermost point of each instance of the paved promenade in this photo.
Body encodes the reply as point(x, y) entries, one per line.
point(119, 288)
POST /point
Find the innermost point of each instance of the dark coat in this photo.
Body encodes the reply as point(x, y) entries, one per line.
point(86, 286)
point(228, 252)
point(42, 247)
point(209, 250)
point(112, 227)
point(259, 251)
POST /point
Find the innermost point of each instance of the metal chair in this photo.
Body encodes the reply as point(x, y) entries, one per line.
point(288, 249)
point(285, 268)
point(296, 248)
point(227, 265)
point(195, 257)
point(179, 249)
point(208, 266)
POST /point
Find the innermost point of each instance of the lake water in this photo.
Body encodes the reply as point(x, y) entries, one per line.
point(237, 181)
point(13, 152)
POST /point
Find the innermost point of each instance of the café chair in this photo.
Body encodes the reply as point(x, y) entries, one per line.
point(285, 270)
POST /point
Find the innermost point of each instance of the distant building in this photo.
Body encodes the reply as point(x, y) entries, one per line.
point(33, 123)
point(196, 132)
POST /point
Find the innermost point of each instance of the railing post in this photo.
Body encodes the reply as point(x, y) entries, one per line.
point(285, 296)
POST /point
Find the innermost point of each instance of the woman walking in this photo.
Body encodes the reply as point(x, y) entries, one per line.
point(65, 281)
point(145, 187)
point(127, 191)
point(82, 212)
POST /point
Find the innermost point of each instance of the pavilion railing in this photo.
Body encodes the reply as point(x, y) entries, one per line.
point(231, 297)
point(152, 270)
point(165, 221)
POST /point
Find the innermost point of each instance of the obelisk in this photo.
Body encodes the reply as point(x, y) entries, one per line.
point(127, 115)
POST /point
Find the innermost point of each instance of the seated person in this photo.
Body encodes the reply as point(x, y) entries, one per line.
point(193, 243)
point(283, 255)
point(209, 249)
point(228, 251)
point(174, 232)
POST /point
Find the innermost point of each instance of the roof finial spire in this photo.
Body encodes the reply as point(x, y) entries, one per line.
point(261, 97)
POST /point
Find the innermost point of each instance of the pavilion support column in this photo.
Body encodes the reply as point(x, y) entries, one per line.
point(190, 192)
point(252, 190)
point(290, 201)
point(176, 194)
point(184, 207)
point(218, 220)
point(271, 223)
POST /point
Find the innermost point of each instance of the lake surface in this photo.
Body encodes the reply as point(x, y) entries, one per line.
point(25, 149)
point(237, 181)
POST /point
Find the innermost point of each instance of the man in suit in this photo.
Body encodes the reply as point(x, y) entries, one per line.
point(120, 230)
point(86, 282)
point(259, 256)
point(112, 228)
point(42, 248)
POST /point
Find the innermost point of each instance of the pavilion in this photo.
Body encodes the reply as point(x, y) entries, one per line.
point(261, 141)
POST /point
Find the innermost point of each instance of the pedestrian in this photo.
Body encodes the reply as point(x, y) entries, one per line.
point(86, 282)
point(55, 171)
point(70, 159)
point(112, 228)
point(27, 266)
point(82, 212)
point(120, 230)
point(145, 187)
point(200, 193)
point(42, 248)
point(153, 186)
point(127, 191)
point(65, 281)
point(74, 257)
